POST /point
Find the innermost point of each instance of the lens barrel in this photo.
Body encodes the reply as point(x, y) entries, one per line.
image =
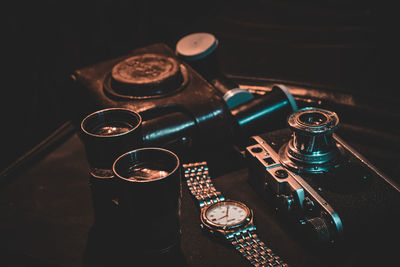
point(264, 112)
point(149, 182)
point(107, 134)
point(312, 148)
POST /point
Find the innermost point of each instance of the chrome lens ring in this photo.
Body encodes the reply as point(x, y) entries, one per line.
point(313, 121)
point(312, 148)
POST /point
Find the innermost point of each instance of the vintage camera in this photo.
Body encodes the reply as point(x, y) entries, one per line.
point(180, 109)
point(320, 183)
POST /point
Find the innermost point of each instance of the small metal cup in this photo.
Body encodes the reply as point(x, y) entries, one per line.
point(107, 134)
point(149, 181)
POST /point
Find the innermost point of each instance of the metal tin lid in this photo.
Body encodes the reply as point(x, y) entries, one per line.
point(146, 75)
point(236, 97)
point(196, 46)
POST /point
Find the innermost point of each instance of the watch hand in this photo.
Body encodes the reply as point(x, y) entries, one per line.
point(223, 217)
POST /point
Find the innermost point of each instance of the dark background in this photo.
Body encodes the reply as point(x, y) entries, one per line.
point(345, 45)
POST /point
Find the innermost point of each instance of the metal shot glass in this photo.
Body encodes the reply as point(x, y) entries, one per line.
point(107, 134)
point(149, 181)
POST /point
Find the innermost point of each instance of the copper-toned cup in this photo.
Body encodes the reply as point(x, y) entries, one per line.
point(107, 134)
point(149, 181)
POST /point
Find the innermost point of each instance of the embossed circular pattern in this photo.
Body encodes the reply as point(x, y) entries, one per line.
point(145, 69)
point(146, 76)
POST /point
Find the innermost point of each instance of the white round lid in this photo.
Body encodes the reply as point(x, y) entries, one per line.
point(196, 45)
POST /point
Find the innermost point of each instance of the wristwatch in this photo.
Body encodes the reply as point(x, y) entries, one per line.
point(230, 219)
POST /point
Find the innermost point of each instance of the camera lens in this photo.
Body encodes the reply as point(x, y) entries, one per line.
point(313, 121)
point(112, 128)
point(312, 148)
point(110, 122)
point(313, 118)
point(107, 134)
point(149, 197)
point(146, 171)
point(147, 164)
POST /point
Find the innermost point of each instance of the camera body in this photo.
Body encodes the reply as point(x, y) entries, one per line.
point(319, 182)
point(178, 107)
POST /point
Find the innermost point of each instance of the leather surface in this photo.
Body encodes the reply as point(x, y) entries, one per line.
point(46, 215)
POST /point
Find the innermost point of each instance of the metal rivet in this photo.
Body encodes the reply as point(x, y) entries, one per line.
point(282, 174)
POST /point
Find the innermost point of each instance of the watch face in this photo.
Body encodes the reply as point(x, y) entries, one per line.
point(227, 213)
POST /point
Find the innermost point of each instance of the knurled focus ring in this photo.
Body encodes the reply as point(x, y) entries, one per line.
point(313, 121)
